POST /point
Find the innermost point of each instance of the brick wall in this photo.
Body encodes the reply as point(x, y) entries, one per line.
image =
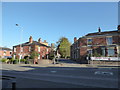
point(99, 41)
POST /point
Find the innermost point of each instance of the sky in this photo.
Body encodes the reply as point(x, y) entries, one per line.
point(52, 20)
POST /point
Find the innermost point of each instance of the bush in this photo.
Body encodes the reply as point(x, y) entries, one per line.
point(12, 59)
point(4, 60)
point(26, 62)
point(62, 56)
point(26, 57)
point(68, 56)
point(22, 60)
point(15, 61)
point(51, 57)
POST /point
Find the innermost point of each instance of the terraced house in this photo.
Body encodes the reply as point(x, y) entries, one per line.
point(98, 44)
point(23, 50)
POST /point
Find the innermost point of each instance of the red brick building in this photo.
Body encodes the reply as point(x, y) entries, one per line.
point(5, 52)
point(105, 44)
point(28, 47)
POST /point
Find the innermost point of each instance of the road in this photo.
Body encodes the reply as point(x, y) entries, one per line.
point(34, 76)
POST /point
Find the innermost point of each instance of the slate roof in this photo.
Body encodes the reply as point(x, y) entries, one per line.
point(102, 33)
point(5, 48)
point(33, 43)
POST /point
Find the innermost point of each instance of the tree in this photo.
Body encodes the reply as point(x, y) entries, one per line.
point(64, 47)
point(51, 54)
point(34, 56)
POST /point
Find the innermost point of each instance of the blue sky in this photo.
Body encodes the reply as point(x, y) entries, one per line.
point(50, 20)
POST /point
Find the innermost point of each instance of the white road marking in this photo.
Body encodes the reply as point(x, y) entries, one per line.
point(53, 71)
point(103, 73)
point(28, 76)
point(69, 76)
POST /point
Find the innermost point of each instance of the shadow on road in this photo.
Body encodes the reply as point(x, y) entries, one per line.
point(60, 71)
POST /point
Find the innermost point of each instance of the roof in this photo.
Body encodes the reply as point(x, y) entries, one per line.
point(103, 33)
point(5, 48)
point(33, 43)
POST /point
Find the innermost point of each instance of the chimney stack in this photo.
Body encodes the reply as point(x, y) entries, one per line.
point(75, 39)
point(118, 28)
point(44, 41)
point(52, 45)
point(30, 39)
point(39, 40)
point(99, 30)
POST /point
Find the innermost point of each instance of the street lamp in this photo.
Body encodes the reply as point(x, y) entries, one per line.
point(20, 55)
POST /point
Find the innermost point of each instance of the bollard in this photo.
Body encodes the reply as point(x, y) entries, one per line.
point(13, 85)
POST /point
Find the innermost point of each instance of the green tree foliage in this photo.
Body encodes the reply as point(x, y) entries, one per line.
point(34, 55)
point(64, 47)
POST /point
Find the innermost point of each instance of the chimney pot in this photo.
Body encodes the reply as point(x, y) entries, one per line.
point(45, 41)
point(39, 40)
point(75, 39)
point(99, 30)
point(30, 39)
point(118, 27)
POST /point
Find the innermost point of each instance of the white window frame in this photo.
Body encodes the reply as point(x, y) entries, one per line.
point(21, 49)
point(14, 49)
point(38, 49)
point(4, 52)
point(88, 41)
point(39, 56)
point(29, 48)
point(47, 49)
point(107, 40)
point(103, 51)
point(109, 52)
point(90, 51)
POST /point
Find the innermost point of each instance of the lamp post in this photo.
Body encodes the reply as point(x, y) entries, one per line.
point(20, 55)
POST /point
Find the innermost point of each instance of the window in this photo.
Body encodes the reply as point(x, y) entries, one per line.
point(89, 41)
point(38, 49)
point(47, 49)
point(109, 40)
point(29, 48)
point(4, 52)
point(111, 52)
point(103, 51)
point(90, 52)
point(10, 53)
point(14, 49)
point(39, 56)
point(21, 49)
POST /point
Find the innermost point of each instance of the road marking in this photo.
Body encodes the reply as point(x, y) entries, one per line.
point(103, 73)
point(39, 74)
point(65, 81)
point(53, 71)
